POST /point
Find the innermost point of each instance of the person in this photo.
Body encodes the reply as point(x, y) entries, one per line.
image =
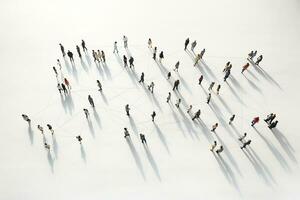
point(64, 88)
point(252, 54)
point(226, 66)
point(193, 45)
point(154, 53)
point(115, 47)
point(176, 84)
point(59, 64)
point(127, 109)
point(200, 79)
point(197, 115)
point(83, 46)
point(151, 87)
point(99, 56)
point(220, 149)
point(125, 61)
point(126, 133)
point(150, 43)
point(86, 113)
point(94, 55)
point(226, 75)
point(242, 137)
point(131, 62)
point(79, 138)
point(211, 86)
point(70, 54)
point(142, 78)
point(213, 146)
point(143, 139)
point(245, 144)
point(78, 51)
point(202, 53)
point(186, 43)
point(178, 103)
point(153, 115)
point(273, 125)
point(254, 121)
point(125, 39)
point(103, 56)
point(91, 101)
point(62, 50)
point(168, 75)
point(189, 109)
point(259, 59)
point(245, 67)
point(161, 56)
point(50, 128)
point(218, 89)
point(270, 118)
point(59, 88)
point(208, 98)
point(197, 58)
point(55, 71)
point(67, 83)
point(47, 146)
point(99, 85)
point(41, 129)
point(26, 118)
point(176, 66)
point(214, 127)
point(231, 119)
point(169, 97)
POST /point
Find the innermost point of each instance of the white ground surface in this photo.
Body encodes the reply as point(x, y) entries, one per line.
point(177, 164)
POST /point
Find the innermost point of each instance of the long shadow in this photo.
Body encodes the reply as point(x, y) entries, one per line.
point(128, 52)
point(74, 72)
point(30, 134)
point(161, 68)
point(97, 118)
point(162, 138)
point(55, 146)
point(83, 154)
point(156, 102)
point(68, 67)
point(208, 69)
point(253, 85)
point(136, 157)
point(91, 127)
point(178, 123)
point(203, 72)
point(236, 83)
point(224, 104)
point(104, 98)
point(99, 68)
point(235, 94)
point(205, 130)
point(84, 66)
point(281, 160)
point(251, 74)
point(63, 102)
point(50, 161)
point(69, 103)
point(285, 144)
point(88, 59)
point(152, 161)
point(133, 126)
point(184, 84)
point(106, 71)
point(188, 125)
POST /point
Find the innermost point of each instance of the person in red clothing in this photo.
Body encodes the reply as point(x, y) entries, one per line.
point(67, 83)
point(245, 67)
point(254, 121)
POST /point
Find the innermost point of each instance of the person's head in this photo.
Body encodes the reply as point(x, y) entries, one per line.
point(215, 142)
point(115, 42)
point(60, 44)
point(125, 129)
point(233, 115)
point(245, 134)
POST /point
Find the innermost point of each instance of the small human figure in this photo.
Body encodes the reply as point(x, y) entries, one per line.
point(50, 128)
point(154, 53)
point(270, 118)
point(78, 51)
point(213, 146)
point(176, 66)
point(168, 75)
point(246, 144)
point(200, 79)
point(143, 139)
point(252, 54)
point(64, 88)
point(211, 86)
point(254, 121)
point(242, 137)
point(169, 97)
point(91, 101)
point(193, 45)
point(99, 56)
point(176, 84)
point(231, 119)
point(83, 46)
point(226, 75)
point(126, 133)
point(131, 62)
point(226, 66)
point(218, 89)
point(55, 71)
point(150, 43)
point(94, 55)
point(208, 98)
point(99, 86)
point(259, 59)
point(197, 115)
point(41, 129)
point(214, 127)
point(161, 56)
point(202, 53)
point(67, 83)
point(26, 118)
point(70, 54)
point(62, 50)
point(79, 138)
point(127, 109)
point(125, 40)
point(142, 78)
point(47, 146)
point(153, 115)
point(273, 125)
point(125, 61)
point(151, 87)
point(86, 113)
point(220, 149)
point(59, 88)
point(197, 58)
point(103, 56)
point(245, 67)
point(59, 64)
point(189, 109)
point(186, 43)
point(178, 103)
point(116, 47)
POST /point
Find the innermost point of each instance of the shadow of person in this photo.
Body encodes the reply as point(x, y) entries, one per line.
point(235, 94)
point(69, 103)
point(97, 118)
point(104, 98)
point(84, 66)
point(50, 161)
point(106, 71)
point(253, 85)
point(152, 161)
point(184, 84)
point(162, 138)
point(251, 74)
point(91, 127)
point(83, 154)
point(74, 72)
point(30, 134)
point(136, 157)
point(55, 146)
point(207, 68)
point(68, 67)
point(133, 125)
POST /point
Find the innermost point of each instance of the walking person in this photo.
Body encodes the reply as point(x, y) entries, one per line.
point(193, 45)
point(220, 149)
point(176, 84)
point(126, 133)
point(142, 78)
point(214, 127)
point(59, 88)
point(255, 121)
point(259, 59)
point(211, 86)
point(86, 113)
point(153, 115)
point(40, 129)
point(213, 146)
point(151, 87)
point(176, 66)
point(116, 47)
point(186, 43)
point(231, 119)
point(150, 43)
point(226, 66)
point(125, 40)
point(83, 46)
point(131, 62)
point(200, 80)
point(99, 86)
point(47, 146)
point(202, 53)
point(161, 56)
point(245, 67)
point(208, 98)
point(125, 61)
point(103, 56)
point(197, 58)
point(245, 144)
point(62, 50)
point(26, 118)
point(64, 88)
point(189, 109)
point(70, 54)
point(143, 139)
point(197, 115)
point(154, 53)
point(270, 118)
point(169, 97)
point(78, 51)
point(50, 128)
point(178, 103)
point(67, 83)
point(55, 71)
point(273, 125)
point(168, 75)
point(79, 138)
point(218, 89)
point(226, 75)
point(127, 109)
point(59, 64)
point(241, 139)
point(91, 101)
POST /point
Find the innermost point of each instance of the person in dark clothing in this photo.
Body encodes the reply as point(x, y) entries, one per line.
point(220, 149)
point(169, 97)
point(103, 56)
point(83, 46)
point(26, 118)
point(273, 125)
point(213, 146)
point(142, 78)
point(50, 128)
point(208, 98)
point(143, 139)
point(242, 137)
point(131, 62)
point(226, 75)
point(200, 79)
point(218, 89)
point(78, 51)
point(259, 59)
point(62, 50)
point(214, 127)
point(153, 115)
point(176, 84)
point(55, 71)
point(154, 53)
point(231, 119)
point(169, 75)
point(270, 118)
point(197, 115)
point(127, 109)
point(186, 43)
point(91, 101)
point(125, 61)
point(79, 138)
point(86, 113)
point(126, 133)
point(64, 88)
point(99, 86)
point(245, 144)
point(161, 56)
point(70, 54)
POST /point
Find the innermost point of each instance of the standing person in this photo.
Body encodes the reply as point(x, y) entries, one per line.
point(242, 137)
point(78, 51)
point(245, 67)
point(59, 88)
point(126, 133)
point(83, 46)
point(103, 56)
point(40, 129)
point(176, 84)
point(86, 113)
point(154, 53)
point(127, 109)
point(67, 83)
point(99, 56)
point(131, 62)
point(200, 79)
point(193, 45)
point(79, 138)
point(178, 103)
point(176, 66)
point(150, 43)
point(255, 121)
point(186, 43)
point(273, 125)
point(125, 40)
point(218, 89)
point(226, 66)
point(26, 118)
point(142, 78)
point(99, 86)
point(259, 59)
point(59, 64)
point(226, 75)
point(214, 127)
point(211, 86)
point(91, 101)
point(161, 56)
point(153, 115)
point(270, 118)
point(116, 47)
point(220, 149)
point(143, 139)
point(197, 115)
point(208, 98)
point(169, 97)
point(168, 75)
point(62, 50)
point(151, 87)
point(202, 53)
point(55, 71)
point(245, 144)
point(64, 88)
point(251, 55)
point(47, 146)
point(70, 54)
point(213, 146)
point(125, 61)
point(50, 128)
point(197, 58)
point(94, 55)
point(189, 109)
point(231, 119)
